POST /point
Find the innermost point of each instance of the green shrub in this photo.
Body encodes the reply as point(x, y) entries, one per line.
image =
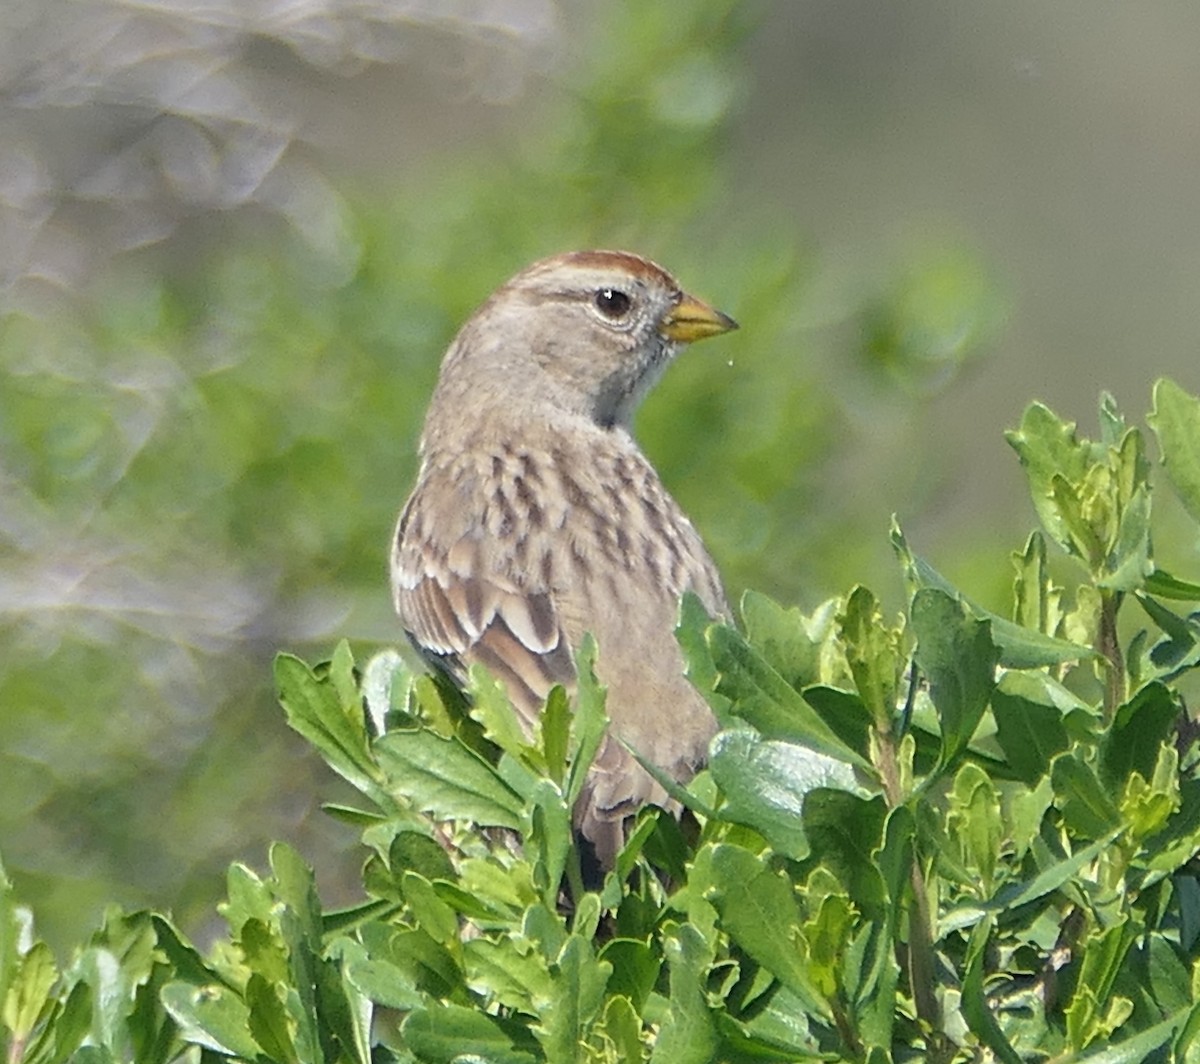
point(949, 836)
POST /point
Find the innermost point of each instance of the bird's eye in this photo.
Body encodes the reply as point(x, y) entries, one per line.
point(613, 303)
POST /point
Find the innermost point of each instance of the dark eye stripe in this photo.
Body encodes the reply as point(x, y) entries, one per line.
point(612, 302)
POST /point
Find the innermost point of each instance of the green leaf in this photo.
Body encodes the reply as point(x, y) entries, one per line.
point(1146, 806)
point(844, 712)
point(688, 1035)
point(764, 782)
point(1164, 585)
point(874, 654)
point(491, 708)
point(776, 1031)
point(845, 832)
point(500, 888)
point(827, 936)
point(1112, 422)
point(974, 819)
point(430, 912)
point(955, 651)
point(691, 634)
point(315, 709)
point(758, 911)
point(551, 836)
point(444, 778)
point(67, 1025)
point(1037, 602)
point(29, 990)
point(1176, 422)
point(1139, 728)
point(762, 698)
point(1026, 811)
point(1029, 725)
point(621, 1029)
point(1169, 979)
point(876, 992)
point(1052, 877)
point(1175, 653)
point(554, 727)
point(348, 1014)
point(1134, 1050)
point(1094, 499)
point(895, 856)
point(577, 982)
point(295, 886)
point(1048, 448)
point(1086, 806)
point(1128, 561)
point(248, 898)
point(786, 638)
point(590, 721)
point(444, 1034)
point(263, 951)
point(269, 1023)
point(426, 963)
point(111, 986)
point(509, 972)
point(635, 966)
point(213, 1017)
point(414, 851)
point(1103, 954)
point(1020, 648)
point(378, 979)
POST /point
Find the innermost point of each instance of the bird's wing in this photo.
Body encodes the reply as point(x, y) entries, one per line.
point(457, 610)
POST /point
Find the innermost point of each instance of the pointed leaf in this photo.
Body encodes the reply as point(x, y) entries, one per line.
point(1164, 585)
point(1029, 730)
point(314, 709)
point(955, 651)
point(874, 654)
point(845, 832)
point(691, 635)
point(590, 721)
point(577, 987)
point(491, 708)
point(784, 639)
point(688, 1036)
point(1176, 423)
point(442, 777)
point(1048, 448)
point(1050, 879)
point(762, 698)
point(1086, 806)
point(213, 1017)
point(758, 910)
point(1139, 728)
point(764, 782)
point(975, 1008)
point(1020, 648)
point(442, 1034)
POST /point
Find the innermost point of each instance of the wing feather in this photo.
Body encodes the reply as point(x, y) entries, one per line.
point(458, 619)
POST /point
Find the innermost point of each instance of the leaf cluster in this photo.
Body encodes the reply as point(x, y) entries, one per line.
point(944, 836)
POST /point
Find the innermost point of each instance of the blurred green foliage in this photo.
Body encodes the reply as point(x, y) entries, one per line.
point(203, 463)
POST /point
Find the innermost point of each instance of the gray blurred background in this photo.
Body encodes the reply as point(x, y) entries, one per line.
point(235, 238)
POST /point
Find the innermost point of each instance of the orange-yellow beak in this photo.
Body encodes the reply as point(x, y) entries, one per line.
point(692, 319)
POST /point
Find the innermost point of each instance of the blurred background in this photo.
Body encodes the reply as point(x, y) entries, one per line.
point(236, 236)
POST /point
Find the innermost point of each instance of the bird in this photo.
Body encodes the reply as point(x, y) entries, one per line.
point(536, 518)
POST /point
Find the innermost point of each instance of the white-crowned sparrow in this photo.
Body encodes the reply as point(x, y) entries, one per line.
point(536, 517)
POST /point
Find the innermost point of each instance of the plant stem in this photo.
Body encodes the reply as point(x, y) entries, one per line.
point(919, 955)
point(1109, 647)
point(920, 970)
